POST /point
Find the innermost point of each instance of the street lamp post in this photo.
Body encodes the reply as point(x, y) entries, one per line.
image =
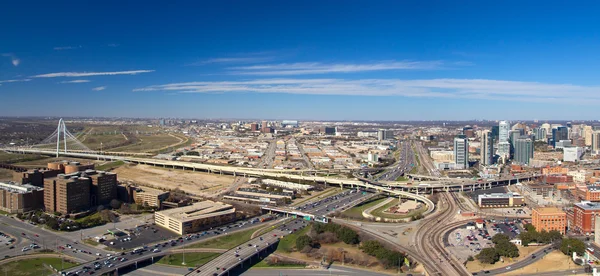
point(183, 262)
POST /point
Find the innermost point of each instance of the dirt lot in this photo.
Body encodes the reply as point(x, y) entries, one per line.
point(5, 175)
point(524, 252)
point(160, 178)
point(44, 162)
point(554, 261)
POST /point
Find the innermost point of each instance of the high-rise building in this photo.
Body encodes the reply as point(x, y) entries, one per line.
point(67, 194)
point(595, 142)
point(504, 150)
point(587, 134)
point(560, 133)
point(104, 187)
point(254, 127)
point(20, 198)
point(512, 138)
point(329, 130)
point(487, 148)
point(461, 152)
point(495, 132)
point(503, 137)
point(264, 124)
point(384, 134)
point(572, 154)
point(523, 150)
point(539, 133)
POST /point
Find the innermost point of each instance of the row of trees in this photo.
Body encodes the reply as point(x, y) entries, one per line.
point(542, 237)
point(502, 248)
point(389, 258)
point(342, 233)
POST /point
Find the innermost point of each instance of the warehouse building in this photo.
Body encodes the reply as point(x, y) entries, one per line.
point(500, 200)
point(198, 216)
point(287, 185)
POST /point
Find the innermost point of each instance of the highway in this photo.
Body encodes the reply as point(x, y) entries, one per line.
point(45, 239)
point(426, 160)
point(318, 208)
point(404, 164)
point(333, 270)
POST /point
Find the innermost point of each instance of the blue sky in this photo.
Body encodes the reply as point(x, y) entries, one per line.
point(331, 60)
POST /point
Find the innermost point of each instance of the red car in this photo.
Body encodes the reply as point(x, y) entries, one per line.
point(37, 235)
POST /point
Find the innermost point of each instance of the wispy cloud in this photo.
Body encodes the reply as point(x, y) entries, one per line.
point(91, 74)
point(66, 48)
point(433, 88)
point(306, 68)
point(75, 81)
point(99, 88)
point(13, 58)
point(113, 45)
point(231, 60)
point(15, 80)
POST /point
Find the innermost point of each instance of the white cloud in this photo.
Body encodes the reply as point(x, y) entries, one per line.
point(234, 60)
point(66, 48)
point(99, 88)
point(13, 58)
point(305, 68)
point(75, 81)
point(91, 74)
point(113, 45)
point(16, 80)
point(433, 88)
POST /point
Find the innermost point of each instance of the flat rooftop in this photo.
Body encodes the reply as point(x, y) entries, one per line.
point(499, 195)
point(549, 210)
point(198, 210)
point(587, 205)
point(18, 188)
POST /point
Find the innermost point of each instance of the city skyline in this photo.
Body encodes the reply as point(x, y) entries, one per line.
point(393, 62)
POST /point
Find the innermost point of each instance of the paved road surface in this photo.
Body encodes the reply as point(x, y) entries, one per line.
point(523, 263)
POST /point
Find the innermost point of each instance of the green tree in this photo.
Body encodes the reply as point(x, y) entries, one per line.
point(115, 204)
point(527, 238)
point(500, 237)
point(370, 247)
point(303, 241)
point(488, 256)
point(506, 248)
point(568, 246)
point(530, 228)
point(347, 235)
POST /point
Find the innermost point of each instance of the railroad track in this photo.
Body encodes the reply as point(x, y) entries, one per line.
point(461, 205)
point(430, 240)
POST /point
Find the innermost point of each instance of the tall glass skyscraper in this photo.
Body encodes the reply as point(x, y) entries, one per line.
point(503, 137)
point(487, 148)
point(461, 152)
point(523, 150)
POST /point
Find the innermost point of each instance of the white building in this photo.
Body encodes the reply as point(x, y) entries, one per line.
point(461, 152)
point(367, 133)
point(572, 154)
point(373, 157)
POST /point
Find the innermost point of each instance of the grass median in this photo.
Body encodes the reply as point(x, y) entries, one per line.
point(226, 241)
point(35, 267)
point(191, 259)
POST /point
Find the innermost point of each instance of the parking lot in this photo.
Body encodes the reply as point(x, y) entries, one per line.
point(7, 241)
point(464, 242)
point(139, 236)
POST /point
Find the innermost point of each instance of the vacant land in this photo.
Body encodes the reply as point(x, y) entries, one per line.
point(6, 157)
point(110, 165)
point(44, 162)
point(524, 252)
point(162, 178)
point(5, 175)
point(554, 261)
point(226, 241)
point(192, 259)
point(34, 267)
point(151, 143)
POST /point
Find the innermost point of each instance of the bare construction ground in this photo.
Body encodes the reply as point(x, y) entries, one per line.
point(168, 179)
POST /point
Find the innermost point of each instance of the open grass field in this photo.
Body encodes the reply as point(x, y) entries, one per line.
point(288, 243)
point(226, 241)
point(34, 267)
point(110, 165)
point(356, 211)
point(192, 259)
point(151, 143)
point(103, 142)
point(11, 158)
point(379, 212)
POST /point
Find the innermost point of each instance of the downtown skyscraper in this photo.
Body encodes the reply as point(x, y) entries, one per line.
point(503, 140)
point(487, 148)
point(461, 152)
